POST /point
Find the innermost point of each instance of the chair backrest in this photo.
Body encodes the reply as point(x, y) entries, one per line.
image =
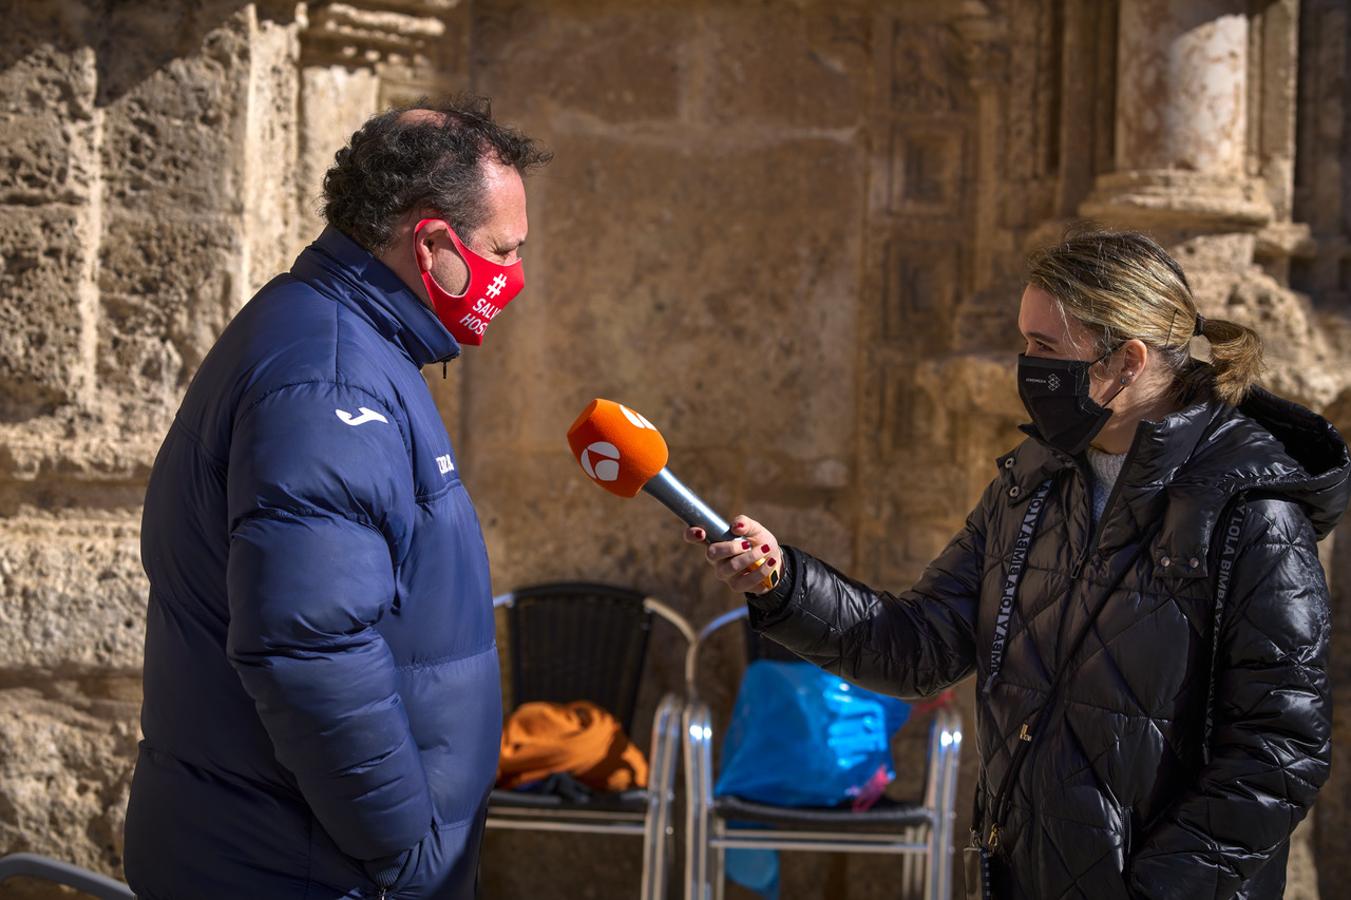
point(578, 641)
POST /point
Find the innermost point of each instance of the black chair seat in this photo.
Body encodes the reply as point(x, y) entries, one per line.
point(621, 801)
point(886, 814)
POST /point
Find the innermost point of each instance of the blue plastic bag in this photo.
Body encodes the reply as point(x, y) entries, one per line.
point(800, 736)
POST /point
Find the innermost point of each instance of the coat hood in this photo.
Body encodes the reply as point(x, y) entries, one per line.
point(1277, 448)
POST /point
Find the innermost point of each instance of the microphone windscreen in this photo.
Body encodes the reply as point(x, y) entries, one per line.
point(616, 447)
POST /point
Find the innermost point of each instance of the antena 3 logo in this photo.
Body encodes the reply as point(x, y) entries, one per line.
point(601, 461)
point(601, 458)
point(638, 420)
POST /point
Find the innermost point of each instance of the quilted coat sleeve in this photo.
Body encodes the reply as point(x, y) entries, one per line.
point(913, 644)
point(318, 509)
point(1272, 732)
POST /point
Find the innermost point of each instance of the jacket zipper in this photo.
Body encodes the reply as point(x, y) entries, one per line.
point(1003, 800)
point(1096, 534)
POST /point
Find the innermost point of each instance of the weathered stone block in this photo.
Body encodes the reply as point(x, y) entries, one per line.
point(608, 64)
point(775, 272)
point(67, 749)
point(168, 286)
point(920, 285)
point(47, 129)
point(335, 101)
point(271, 199)
point(1299, 362)
point(44, 323)
point(44, 160)
point(175, 132)
point(806, 65)
point(72, 595)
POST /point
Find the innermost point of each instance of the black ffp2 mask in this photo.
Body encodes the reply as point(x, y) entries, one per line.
point(1055, 392)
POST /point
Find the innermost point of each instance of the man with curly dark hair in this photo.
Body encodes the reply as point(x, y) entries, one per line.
point(322, 713)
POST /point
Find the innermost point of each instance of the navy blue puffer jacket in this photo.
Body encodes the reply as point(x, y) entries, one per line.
point(321, 676)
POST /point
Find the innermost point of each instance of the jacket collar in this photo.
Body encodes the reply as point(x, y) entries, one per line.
point(339, 267)
point(1026, 466)
point(1159, 451)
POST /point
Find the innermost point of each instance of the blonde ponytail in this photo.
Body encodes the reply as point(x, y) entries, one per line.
point(1236, 357)
point(1123, 285)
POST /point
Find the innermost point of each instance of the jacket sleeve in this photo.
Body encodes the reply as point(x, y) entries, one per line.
point(318, 508)
point(914, 644)
point(1272, 720)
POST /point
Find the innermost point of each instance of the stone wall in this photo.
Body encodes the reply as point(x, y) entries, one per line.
point(160, 163)
point(789, 233)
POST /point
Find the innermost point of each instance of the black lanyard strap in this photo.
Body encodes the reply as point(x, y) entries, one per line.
point(1014, 578)
point(1224, 577)
point(1036, 505)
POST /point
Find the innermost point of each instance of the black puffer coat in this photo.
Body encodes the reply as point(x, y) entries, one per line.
point(1114, 800)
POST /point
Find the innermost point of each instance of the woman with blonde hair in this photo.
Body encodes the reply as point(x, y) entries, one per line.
point(1138, 593)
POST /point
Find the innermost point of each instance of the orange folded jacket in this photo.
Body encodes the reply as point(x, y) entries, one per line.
point(579, 738)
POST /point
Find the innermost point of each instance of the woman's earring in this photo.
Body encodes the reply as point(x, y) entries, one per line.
point(1125, 380)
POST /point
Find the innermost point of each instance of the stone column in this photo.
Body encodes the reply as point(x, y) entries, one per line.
point(1181, 120)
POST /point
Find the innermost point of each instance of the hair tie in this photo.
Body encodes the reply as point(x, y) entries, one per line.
point(1200, 325)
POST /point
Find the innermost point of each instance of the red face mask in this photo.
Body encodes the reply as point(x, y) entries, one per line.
point(491, 287)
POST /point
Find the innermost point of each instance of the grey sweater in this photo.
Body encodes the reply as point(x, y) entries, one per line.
point(1106, 469)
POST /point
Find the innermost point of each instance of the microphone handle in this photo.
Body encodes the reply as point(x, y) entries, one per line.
point(686, 504)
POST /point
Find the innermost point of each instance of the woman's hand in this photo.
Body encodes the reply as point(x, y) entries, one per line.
point(732, 560)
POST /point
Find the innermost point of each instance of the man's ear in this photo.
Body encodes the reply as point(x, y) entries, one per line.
point(426, 241)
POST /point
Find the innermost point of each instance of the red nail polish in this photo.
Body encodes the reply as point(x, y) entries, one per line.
point(745, 545)
point(764, 549)
point(738, 526)
point(771, 563)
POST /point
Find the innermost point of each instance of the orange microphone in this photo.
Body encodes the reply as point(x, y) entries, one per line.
point(623, 452)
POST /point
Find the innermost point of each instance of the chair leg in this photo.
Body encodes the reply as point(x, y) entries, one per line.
point(922, 867)
point(719, 865)
point(698, 800)
point(909, 866)
point(661, 785)
point(932, 887)
point(946, 821)
point(651, 877)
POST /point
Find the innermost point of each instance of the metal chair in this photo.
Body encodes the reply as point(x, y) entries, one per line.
point(34, 866)
point(579, 641)
point(921, 832)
